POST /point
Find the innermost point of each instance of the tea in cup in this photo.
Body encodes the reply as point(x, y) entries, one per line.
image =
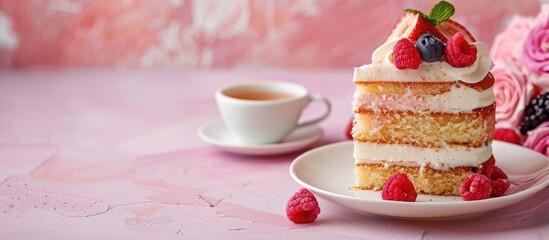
point(265, 112)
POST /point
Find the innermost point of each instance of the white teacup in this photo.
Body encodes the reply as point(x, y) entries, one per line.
point(265, 112)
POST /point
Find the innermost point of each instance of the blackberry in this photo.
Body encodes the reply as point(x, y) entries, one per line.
point(535, 113)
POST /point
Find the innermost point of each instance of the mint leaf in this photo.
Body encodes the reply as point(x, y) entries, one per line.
point(423, 15)
point(441, 12)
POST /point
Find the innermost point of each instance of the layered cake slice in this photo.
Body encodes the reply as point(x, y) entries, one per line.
point(424, 106)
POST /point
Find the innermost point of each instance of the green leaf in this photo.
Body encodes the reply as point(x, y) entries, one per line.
point(441, 12)
point(423, 15)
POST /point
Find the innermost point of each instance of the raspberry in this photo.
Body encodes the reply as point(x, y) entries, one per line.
point(399, 188)
point(406, 55)
point(302, 207)
point(535, 113)
point(459, 53)
point(499, 187)
point(498, 179)
point(491, 161)
point(475, 187)
point(507, 135)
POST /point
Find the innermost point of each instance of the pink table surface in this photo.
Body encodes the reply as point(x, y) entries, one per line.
point(112, 154)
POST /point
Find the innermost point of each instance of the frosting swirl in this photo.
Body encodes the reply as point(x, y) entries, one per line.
point(471, 74)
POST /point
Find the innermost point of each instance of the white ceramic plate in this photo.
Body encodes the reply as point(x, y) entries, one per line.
point(328, 171)
point(218, 135)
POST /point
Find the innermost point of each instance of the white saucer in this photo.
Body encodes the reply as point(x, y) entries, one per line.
point(328, 172)
point(218, 135)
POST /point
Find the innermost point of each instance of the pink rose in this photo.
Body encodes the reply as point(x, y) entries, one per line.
point(536, 46)
point(513, 93)
point(508, 43)
point(538, 139)
point(541, 81)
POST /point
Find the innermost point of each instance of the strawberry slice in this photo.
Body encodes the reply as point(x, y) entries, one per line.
point(448, 28)
point(412, 26)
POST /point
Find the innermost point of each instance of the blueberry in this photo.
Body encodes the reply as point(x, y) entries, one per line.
point(430, 47)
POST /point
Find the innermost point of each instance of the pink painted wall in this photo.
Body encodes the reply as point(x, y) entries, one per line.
point(217, 34)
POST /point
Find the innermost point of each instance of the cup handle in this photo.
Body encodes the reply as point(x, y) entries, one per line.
point(321, 98)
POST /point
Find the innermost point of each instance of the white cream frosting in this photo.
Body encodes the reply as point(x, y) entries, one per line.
point(442, 158)
point(458, 99)
point(382, 69)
